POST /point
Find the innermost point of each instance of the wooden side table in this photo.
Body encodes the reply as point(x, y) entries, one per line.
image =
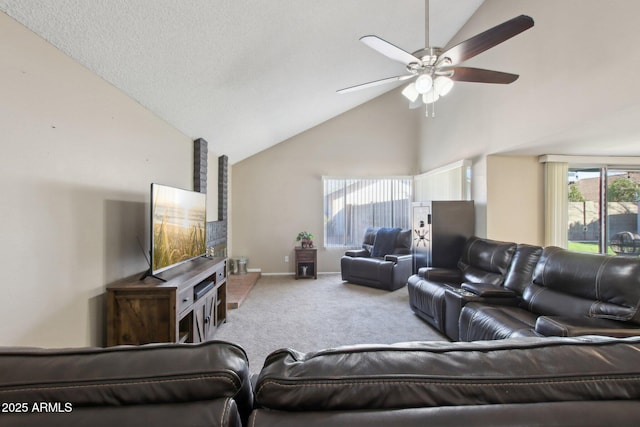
point(306, 263)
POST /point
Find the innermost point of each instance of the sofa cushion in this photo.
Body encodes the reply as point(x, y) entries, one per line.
point(549, 302)
point(610, 283)
point(480, 321)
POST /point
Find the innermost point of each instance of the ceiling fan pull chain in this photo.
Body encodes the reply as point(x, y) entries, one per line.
point(431, 105)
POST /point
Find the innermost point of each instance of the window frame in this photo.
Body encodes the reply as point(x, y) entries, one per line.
point(353, 238)
point(603, 171)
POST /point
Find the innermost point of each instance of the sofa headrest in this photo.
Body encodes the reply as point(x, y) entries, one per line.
point(418, 374)
point(404, 239)
point(522, 266)
point(486, 260)
point(610, 284)
point(370, 235)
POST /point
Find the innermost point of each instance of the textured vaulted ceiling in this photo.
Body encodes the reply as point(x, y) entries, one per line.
point(243, 74)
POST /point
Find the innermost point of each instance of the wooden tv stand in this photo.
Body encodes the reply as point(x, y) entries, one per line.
point(188, 307)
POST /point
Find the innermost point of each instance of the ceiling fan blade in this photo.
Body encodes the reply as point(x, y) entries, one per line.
point(487, 39)
point(478, 75)
point(375, 83)
point(389, 50)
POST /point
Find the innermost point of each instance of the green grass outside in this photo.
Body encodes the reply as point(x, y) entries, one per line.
point(587, 247)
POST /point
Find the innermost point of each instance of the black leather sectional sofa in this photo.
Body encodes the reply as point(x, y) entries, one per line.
point(586, 381)
point(503, 289)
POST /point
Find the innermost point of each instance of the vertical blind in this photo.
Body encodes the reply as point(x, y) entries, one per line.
point(352, 204)
point(556, 204)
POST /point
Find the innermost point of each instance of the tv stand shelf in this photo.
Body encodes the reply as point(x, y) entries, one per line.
point(188, 306)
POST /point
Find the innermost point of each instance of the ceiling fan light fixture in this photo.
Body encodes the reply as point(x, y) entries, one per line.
point(430, 97)
point(410, 92)
point(424, 82)
point(442, 85)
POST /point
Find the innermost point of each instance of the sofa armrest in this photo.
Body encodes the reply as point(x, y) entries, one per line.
point(444, 275)
point(357, 253)
point(488, 290)
point(577, 326)
point(395, 258)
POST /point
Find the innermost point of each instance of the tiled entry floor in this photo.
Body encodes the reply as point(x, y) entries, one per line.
point(238, 287)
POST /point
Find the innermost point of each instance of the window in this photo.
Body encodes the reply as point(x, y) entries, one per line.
point(603, 210)
point(352, 204)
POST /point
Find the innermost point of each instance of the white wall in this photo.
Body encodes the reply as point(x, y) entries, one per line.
point(77, 160)
point(278, 192)
point(577, 71)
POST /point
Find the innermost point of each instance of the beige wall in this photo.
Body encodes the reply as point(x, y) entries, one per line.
point(278, 192)
point(77, 160)
point(576, 70)
point(515, 199)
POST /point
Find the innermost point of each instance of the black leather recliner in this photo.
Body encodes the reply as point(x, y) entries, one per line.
point(388, 270)
point(482, 261)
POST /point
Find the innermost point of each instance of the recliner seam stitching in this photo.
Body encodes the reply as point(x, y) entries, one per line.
point(479, 383)
point(112, 384)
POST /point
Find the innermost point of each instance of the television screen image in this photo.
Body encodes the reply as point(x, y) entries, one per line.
point(178, 219)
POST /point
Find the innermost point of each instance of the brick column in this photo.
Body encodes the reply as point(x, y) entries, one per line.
point(223, 183)
point(216, 230)
point(200, 152)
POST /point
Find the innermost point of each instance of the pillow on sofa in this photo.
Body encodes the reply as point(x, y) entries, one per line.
point(385, 242)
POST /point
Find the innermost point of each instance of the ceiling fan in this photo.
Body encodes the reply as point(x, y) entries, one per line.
point(435, 69)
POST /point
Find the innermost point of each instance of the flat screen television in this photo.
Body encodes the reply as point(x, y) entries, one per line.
point(178, 226)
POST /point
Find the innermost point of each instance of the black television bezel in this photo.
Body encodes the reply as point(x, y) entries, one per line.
point(151, 239)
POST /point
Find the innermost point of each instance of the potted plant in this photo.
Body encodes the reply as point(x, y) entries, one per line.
point(305, 238)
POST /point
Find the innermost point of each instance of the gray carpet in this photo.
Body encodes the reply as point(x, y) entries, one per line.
point(309, 315)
